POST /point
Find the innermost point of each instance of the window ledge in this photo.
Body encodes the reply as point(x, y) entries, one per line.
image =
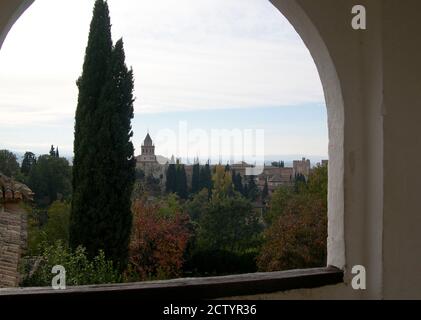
point(189, 288)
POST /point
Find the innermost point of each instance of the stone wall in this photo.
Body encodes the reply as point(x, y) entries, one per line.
point(13, 229)
point(13, 240)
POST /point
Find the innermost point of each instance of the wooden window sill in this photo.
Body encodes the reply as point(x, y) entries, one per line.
point(188, 288)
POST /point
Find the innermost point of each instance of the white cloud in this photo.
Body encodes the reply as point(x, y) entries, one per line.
point(186, 55)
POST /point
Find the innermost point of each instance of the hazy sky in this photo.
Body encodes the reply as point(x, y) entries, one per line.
point(213, 64)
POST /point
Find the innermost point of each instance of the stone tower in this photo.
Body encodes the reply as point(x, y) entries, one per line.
point(302, 167)
point(148, 150)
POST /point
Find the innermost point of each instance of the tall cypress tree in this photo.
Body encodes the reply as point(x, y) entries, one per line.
point(52, 151)
point(252, 189)
point(206, 177)
point(182, 182)
point(237, 181)
point(117, 154)
point(265, 191)
point(103, 165)
point(171, 177)
point(195, 182)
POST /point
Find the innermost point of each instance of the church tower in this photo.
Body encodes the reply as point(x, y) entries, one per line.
point(148, 150)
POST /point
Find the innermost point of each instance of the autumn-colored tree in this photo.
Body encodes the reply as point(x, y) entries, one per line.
point(222, 183)
point(158, 241)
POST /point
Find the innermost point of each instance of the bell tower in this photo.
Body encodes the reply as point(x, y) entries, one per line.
point(148, 150)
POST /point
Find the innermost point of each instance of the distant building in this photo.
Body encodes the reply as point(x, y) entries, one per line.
point(148, 151)
point(302, 166)
point(275, 176)
point(147, 161)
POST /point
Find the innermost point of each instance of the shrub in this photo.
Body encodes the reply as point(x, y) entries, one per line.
point(80, 270)
point(48, 226)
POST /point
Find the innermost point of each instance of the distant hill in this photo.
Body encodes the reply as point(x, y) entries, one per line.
point(162, 159)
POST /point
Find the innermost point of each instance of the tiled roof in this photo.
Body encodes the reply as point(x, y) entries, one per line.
point(11, 190)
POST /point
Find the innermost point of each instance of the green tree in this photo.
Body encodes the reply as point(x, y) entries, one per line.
point(181, 181)
point(237, 180)
point(265, 191)
point(222, 183)
point(57, 226)
point(278, 203)
point(52, 151)
point(171, 179)
point(197, 204)
point(169, 205)
point(104, 163)
point(9, 165)
point(299, 182)
point(50, 179)
point(205, 177)
point(252, 189)
point(29, 161)
point(229, 222)
point(195, 183)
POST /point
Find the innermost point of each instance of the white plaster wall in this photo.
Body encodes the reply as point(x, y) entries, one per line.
point(355, 177)
point(402, 149)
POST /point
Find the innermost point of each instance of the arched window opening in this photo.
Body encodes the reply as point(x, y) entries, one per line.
point(233, 176)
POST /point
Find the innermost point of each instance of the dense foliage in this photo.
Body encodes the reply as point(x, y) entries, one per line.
point(48, 228)
point(80, 269)
point(176, 180)
point(158, 242)
point(50, 179)
point(9, 165)
point(226, 229)
point(29, 161)
point(297, 235)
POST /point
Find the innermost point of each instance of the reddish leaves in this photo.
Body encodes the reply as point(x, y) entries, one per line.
point(158, 242)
